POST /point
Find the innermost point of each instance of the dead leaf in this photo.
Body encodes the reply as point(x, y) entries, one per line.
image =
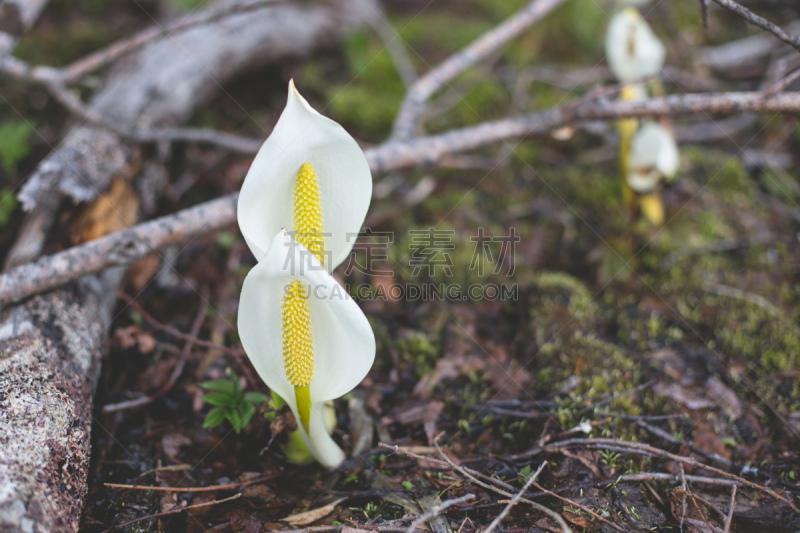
point(683, 396)
point(578, 520)
point(707, 438)
point(114, 210)
point(307, 517)
point(244, 523)
point(141, 272)
point(723, 396)
point(133, 335)
point(171, 444)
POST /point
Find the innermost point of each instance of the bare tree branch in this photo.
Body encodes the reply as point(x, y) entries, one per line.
point(108, 55)
point(761, 22)
point(125, 247)
point(427, 85)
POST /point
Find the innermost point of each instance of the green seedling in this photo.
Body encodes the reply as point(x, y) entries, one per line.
point(231, 402)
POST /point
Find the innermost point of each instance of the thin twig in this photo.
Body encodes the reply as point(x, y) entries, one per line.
point(173, 511)
point(669, 438)
point(395, 154)
point(739, 294)
point(685, 489)
point(552, 514)
point(704, 12)
point(580, 506)
point(761, 22)
point(729, 518)
point(427, 85)
point(176, 371)
point(499, 518)
point(719, 245)
point(396, 47)
point(436, 510)
point(210, 488)
point(173, 331)
point(492, 485)
point(646, 448)
point(784, 83)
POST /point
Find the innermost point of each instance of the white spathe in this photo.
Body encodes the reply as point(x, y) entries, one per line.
point(344, 345)
point(632, 49)
point(302, 135)
point(653, 155)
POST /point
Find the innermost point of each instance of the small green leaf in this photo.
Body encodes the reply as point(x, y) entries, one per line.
point(254, 397)
point(237, 386)
point(219, 385)
point(235, 419)
point(247, 411)
point(14, 136)
point(214, 417)
point(408, 485)
point(220, 398)
point(8, 202)
point(276, 400)
point(226, 240)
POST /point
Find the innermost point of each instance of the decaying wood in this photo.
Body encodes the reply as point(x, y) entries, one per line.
point(50, 350)
point(50, 346)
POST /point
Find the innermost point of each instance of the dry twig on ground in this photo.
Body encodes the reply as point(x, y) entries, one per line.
point(436, 510)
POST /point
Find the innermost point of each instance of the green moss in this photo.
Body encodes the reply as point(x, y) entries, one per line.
point(419, 350)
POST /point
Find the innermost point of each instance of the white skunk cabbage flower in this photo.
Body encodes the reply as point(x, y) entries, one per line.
point(306, 156)
point(653, 155)
point(632, 49)
point(305, 336)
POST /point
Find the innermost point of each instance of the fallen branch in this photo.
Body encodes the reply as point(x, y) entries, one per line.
point(499, 518)
point(436, 510)
point(210, 488)
point(637, 446)
point(494, 485)
point(427, 85)
point(173, 511)
point(125, 247)
point(761, 22)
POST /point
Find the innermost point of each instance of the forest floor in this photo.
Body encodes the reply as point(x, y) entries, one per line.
point(682, 341)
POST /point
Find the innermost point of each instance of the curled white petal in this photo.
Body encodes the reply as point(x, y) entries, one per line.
point(632, 49)
point(302, 135)
point(653, 155)
point(344, 345)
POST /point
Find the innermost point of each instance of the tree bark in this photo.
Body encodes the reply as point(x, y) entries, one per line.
point(51, 345)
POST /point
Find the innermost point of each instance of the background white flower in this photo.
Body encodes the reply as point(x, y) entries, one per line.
point(653, 156)
point(632, 49)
